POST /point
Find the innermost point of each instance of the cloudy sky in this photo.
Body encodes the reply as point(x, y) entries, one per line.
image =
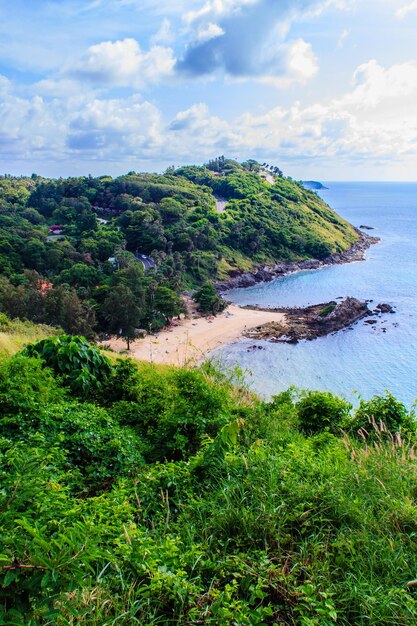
point(326, 89)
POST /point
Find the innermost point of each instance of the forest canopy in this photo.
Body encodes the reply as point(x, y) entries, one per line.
point(67, 246)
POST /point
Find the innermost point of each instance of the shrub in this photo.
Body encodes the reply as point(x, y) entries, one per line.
point(96, 448)
point(382, 414)
point(172, 412)
point(4, 322)
point(321, 410)
point(82, 366)
point(25, 384)
point(122, 384)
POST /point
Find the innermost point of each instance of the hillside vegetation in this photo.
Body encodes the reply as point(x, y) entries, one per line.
point(15, 334)
point(68, 246)
point(132, 494)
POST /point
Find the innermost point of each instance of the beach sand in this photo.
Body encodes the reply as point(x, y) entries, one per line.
point(192, 339)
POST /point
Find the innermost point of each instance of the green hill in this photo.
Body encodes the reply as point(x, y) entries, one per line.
point(87, 254)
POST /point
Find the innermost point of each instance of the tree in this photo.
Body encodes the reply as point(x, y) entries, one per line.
point(80, 275)
point(208, 299)
point(62, 307)
point(167, 302)
point(122, 313)
point(132, 276)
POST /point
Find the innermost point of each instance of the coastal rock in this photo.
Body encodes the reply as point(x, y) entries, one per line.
point(245, 280)
point(309, 264)
point(262, 275)
point(384, 308)
point(312, 321)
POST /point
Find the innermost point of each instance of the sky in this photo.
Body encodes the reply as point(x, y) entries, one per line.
point(324, 89)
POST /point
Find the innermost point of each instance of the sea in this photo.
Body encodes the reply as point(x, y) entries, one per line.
point(365, 360)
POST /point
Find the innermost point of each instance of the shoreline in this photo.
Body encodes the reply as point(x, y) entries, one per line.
point(189, 340)
point(267, 273)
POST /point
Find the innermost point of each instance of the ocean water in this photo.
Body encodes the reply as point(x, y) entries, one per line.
point(365, 360)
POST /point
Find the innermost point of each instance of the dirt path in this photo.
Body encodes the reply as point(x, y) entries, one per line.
point(220, 204)
point(268, 177)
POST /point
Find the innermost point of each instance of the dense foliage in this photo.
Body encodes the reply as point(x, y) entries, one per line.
point(72, 250)
point(81, 365)
point(168, 496)
point(208, 300)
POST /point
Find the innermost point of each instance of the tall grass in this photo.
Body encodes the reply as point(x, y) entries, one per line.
point(15, 334)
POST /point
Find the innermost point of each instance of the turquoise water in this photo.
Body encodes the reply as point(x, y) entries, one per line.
point(364, 360)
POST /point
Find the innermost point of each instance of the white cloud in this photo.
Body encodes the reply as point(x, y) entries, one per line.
point(302, 62)
point(118, 127)
point(197, 117)
point(319, 7)
point(55, 87)
point(342, 38)
point(208, 31)
point(39, 129)
point(5, 85)
point(375, 120)
point(245, 40)
point(297, 65)
point(164, 34)
point(406, 9)
point(123, 63)
point(375, 85)
point(218, 8)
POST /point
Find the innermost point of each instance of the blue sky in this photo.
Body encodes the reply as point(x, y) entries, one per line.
point(326, 89)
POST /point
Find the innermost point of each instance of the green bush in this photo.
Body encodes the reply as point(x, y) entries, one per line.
point(173, 413)
point(4, 322)
point(382, 415)
point(96, 448)
point(25, 384)
point(80, 364)
point(327, 310)
point(320, 410)
point(122, 384)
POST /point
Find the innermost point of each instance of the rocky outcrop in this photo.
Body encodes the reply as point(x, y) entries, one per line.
point(311, 322)
point(264, 274)
point(384, 308)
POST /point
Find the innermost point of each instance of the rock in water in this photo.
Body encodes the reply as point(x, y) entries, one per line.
point(384, 308)
point(312, 321)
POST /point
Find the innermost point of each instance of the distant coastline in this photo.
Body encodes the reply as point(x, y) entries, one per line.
point(313, 185)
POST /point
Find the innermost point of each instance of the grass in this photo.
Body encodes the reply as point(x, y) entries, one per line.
point(15, 334)
point(327, 310)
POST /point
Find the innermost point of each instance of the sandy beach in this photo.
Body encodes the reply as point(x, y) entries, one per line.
point(192, 339)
